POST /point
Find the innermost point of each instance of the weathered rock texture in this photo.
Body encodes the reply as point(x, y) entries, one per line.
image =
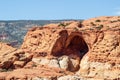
point(11, 58)
point(35, 73)
point(89, 50)
point(6, 59)
point(103, 60)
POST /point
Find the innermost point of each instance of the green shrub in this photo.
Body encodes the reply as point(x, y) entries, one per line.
point(93, 24)
point(99, 27)
point(118, 19)
point(98, 20)
point(5, 70)
point(34, 65)
point(63, 24)
point(76, 29)
point(91, 29)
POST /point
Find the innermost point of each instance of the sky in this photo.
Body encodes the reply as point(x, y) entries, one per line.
point(57, 9)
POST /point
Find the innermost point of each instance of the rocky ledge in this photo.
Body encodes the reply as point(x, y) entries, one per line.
point(73, 50)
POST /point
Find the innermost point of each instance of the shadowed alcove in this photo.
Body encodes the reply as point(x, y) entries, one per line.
point(73, 44)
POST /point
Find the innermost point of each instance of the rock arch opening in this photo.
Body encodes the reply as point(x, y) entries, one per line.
point(74, 44)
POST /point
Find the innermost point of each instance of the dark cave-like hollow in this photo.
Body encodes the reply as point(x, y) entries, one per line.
point(76, 45)
point(73, 44)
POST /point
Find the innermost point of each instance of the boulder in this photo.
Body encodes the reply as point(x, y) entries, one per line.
point(64, 62)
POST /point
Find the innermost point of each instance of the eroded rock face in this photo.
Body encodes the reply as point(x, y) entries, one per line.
point(6, 59)
point(72, 44)
point(72, 50)
point(97, 39)
point(11, 58)
point(63, 42)
point(103, 60)
point(40, 40)
point(36, 73)
point(63, 62)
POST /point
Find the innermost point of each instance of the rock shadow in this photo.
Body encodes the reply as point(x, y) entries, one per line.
point(72, 44)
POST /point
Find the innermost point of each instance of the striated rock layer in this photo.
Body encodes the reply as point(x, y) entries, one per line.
point(88, 50)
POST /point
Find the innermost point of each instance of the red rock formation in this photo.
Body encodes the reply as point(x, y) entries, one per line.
point(59, 45)
point(70, 44)
point(76, 43)
point(39, 72)
point(103, 60)
point(94, 44)
point(11, 57)
point(5, 61)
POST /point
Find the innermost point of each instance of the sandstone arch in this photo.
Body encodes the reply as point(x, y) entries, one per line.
point(74, 44)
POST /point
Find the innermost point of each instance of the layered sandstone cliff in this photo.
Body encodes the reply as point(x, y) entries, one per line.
point(72, 50)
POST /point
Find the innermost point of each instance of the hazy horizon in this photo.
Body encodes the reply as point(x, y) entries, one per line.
point(38, 19)
point(57, 10)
